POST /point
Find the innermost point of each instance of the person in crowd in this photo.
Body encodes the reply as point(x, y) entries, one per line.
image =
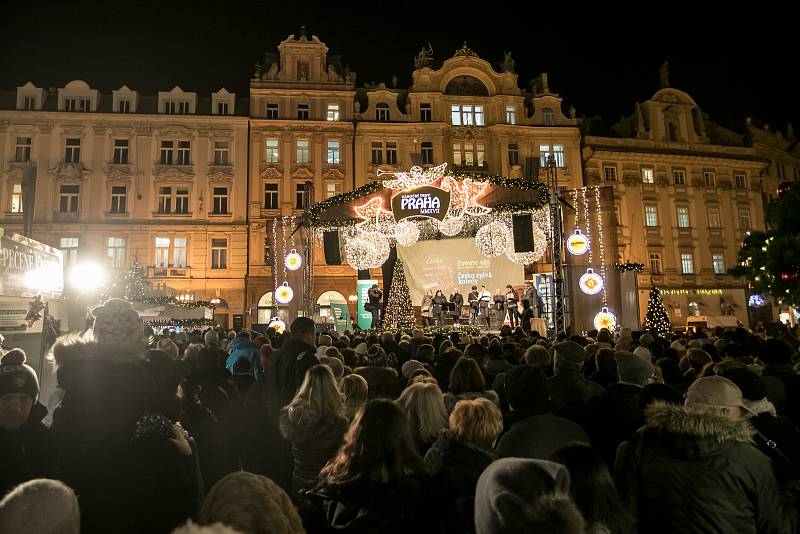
point(355, 390)
point(457, 300)
point(614, 414)
point(26, 447)
point(323, 343)
point(242, 375)
point(696, 363)
point(467, 382)
point(393, 349)
point(444, 366)
point(672, 375)
point(499, 307)
point(377, 482)
point(426, 308)
point(242, 347)
point(375, 297)
point(570, 393)
point(516, 495)
point(538, 355)
point(426, 414)
point(624, 340)
point(462, 453)
point(247, 502)
point(693, 468)
point(782, 383)
point(169, 347)
point(525, 317)
point(382, 379)
point(776, 436)
point(211, 338)
point(606, 368)
point(512, 300)
point(314, 422)
point(40, 506)
point(531, 429)
point(593, 490)
point(439, 307)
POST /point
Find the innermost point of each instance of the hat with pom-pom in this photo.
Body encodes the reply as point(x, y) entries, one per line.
point(117, 322)
point(16, 376)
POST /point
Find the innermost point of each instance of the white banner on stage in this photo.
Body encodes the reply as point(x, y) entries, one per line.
point(449, 263)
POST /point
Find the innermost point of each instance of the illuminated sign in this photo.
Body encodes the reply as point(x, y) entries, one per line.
point(591, 283)
point(293, 260)
point(29, 268)
point(577, 243)
point(426, 201)
point(605, 319)
point(691, 292)
point(284, 294)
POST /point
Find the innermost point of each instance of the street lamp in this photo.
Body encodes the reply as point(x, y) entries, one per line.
point(87, 277)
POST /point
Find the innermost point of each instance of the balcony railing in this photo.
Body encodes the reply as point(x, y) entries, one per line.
point(169, 272)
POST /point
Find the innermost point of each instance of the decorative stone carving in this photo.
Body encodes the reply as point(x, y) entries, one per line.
point(272, 72)
point(662, 181)
point(175, 130)
point(302, 172)
point(220, 173)
point(508, 63)
point(69, 171)
point(424, 58)
point(269, 172)
point(15, 170)
point(663, 73)
point(45, 127)
point(725, 184)
point(465, 51)
point(333, 173)
point(631, 179)
point(119, 172)
point(698, 183)
point(173, 172)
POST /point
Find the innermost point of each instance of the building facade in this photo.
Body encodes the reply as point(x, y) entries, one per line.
point(160, 179)
point(683, 202)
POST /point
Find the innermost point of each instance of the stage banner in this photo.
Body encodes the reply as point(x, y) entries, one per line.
point(364, 317)
point(448, 263)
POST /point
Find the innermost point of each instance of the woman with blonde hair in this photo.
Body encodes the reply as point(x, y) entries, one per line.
point(424, 407)
point(356, 392)
point(462, 453)
point(315, 424)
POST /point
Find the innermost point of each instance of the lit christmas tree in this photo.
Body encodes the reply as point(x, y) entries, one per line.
point(136, 282)
point(657, 319)
point(399, 312)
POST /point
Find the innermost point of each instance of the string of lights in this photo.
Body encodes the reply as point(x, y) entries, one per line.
point(600, 242)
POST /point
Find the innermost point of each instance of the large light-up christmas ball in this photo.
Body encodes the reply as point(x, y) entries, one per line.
point(284, 294)
point(367, 250)
point(406, 233)
point(293, 260)
point(491, 239)
point(451, 226)
point(277, 324)
point(605, 319)
point(591, 283)
point(577, 243)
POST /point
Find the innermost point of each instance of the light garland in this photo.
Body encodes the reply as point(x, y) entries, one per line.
point(491, 239)
point(629, 266)
point(415, 177)
point(190, 304)
point(526, 258)
point(451, 226)
point(284, 294)
point(600, 242)
point(275, 255)
point(367, 250)
point(463, 197)
point(605, 319)
point(591, 283)
point(406, 233)
point(293, 260)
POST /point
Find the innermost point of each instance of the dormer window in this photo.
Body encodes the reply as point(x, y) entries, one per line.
point(222, 108)
point(125, 106)
point(511, 114)
point(70, 104)
point(29, 103)
point(86, 105)
point(382, 112)
point(177, 108)
point(549, 117)
point(425, 112)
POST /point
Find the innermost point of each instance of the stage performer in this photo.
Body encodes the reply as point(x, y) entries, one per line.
point(511, 305)
point(439, 300)
point(499, 307)
point(526, 316)
point(483, 305)
point(375, 296)
point(426, 311)
point(457, 300)
point(532, 296)
point(473, 298)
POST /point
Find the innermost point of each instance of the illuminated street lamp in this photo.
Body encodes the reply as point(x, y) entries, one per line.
point(88, 277)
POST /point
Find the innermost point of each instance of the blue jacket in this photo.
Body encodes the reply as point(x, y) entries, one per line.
point(241, 348)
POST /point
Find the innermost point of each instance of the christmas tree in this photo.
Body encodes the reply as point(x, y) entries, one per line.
point(135, 282)
point(656, 318)
point(399, 313)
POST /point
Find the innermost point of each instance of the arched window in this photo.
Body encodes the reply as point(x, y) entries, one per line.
point(266, 308)
point(466, 86)
point(549, 117)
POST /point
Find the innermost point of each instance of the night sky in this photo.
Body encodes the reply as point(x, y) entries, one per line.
point(601, 63)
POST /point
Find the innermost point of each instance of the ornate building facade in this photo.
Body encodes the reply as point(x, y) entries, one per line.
point(160, 179)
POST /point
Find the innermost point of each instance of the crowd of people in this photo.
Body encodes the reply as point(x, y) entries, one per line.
point(220, 432)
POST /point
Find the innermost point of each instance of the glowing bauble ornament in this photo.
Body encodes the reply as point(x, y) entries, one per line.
point(284, 294)
point(367, 250)
point(451, 226)
point(491, 239)
point(293, 260)
point(277, 324)
point(406, 233)
point(577, 243)
point(526, 258)
point(605, 319)
point(591, 283)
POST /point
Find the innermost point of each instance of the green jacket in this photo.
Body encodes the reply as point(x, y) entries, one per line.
point(690, 472)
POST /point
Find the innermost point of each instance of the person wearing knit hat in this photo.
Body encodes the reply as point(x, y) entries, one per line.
point(211, 337)
point(508, 488)
point(42, 506)
point(116, 322)
point(410, 366)
point(644, 353)
point(361, 350)
point(532, 431)
point(251, 503)
point(26, 449)
point(694, 468)
point(633, 368)
point(569, 391)
point(646, 339)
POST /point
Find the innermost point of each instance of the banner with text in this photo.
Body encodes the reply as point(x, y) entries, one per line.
point(364, 317)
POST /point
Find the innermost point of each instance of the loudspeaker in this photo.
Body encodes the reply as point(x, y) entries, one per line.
point(333, 250)
point(523, 232)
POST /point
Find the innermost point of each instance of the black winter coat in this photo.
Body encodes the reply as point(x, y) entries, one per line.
point(27, 453)
point(779, 439)
point(688, 472)
point(313, 444)
point(461, 464)
point(614, 416)
point(285, 372)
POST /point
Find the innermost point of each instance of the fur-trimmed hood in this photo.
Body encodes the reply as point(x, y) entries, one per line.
point(687, 423)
